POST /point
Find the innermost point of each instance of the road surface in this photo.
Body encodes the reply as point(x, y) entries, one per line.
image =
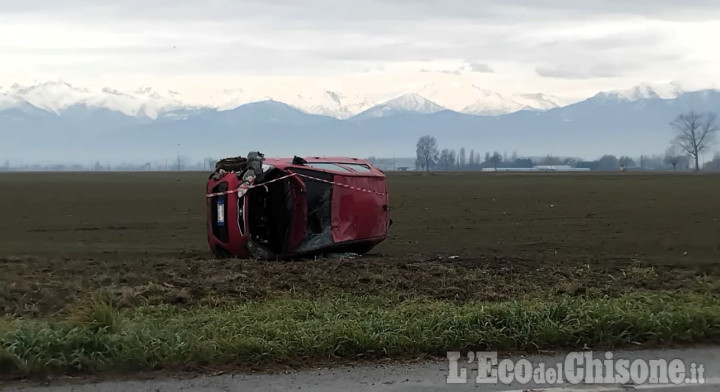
point(430, 376)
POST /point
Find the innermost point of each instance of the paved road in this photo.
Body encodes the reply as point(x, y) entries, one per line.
point(398, 378)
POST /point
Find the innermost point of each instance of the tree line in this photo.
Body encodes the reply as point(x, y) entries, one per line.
point(182, 163)
point(695, 134)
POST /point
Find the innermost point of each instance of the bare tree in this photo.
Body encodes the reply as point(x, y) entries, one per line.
point(626, 162)
point(571, 161)
point(444, 161)
point(209, 163)
point(608, 162)
point(674, 156)
point(495, 159)
point(551, 160)
point(461, 158)
point(713, 165)
point(427, 152)
point(695, 133)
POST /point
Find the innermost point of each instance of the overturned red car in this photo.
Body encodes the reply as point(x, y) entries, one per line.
point(295, 207)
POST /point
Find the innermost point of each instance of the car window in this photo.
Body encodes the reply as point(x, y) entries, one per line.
point(327, 166)
point(357, 167)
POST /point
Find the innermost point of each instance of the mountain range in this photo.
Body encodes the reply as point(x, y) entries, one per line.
point(146, 102)
point(59, 122)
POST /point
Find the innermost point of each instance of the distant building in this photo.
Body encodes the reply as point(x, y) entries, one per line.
point(538, 168)
point(559, 168)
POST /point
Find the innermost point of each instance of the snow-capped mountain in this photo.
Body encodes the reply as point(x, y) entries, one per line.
point(494, 104)
point(473, 99)
point(620, 122)
point(235, 97)
point(537, 101)
point(332, 103)
point(406, 103)
point(456, 96)
point(56, 97)
point(50, 96)
point(324, 102)
point(148, 103)
point(8, 102)
point(643, 91)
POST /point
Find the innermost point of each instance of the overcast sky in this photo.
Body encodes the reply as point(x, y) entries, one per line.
point(568, 48)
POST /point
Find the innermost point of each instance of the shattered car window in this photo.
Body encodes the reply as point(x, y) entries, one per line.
point(358, 167)
point(327, 166)
point(319, 211)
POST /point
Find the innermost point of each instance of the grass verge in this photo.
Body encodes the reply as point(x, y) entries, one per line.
point(102, 338)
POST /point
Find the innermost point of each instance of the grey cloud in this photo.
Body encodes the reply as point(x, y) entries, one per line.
point(580, 72)
point(143, 90)
point(501, 46)
point(106, 50)
point(292, 52)
point(314, 36)
point(480, 67)
point(444, 71)
point(109, 90)
point(599, 67)
point(609, 56)
point(319, 12)
point(614, 41)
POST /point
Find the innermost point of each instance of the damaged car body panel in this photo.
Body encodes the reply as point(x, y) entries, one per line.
point(291, 207)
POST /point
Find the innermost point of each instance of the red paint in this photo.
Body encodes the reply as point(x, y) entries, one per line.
point(358, 216)
point(236, 243)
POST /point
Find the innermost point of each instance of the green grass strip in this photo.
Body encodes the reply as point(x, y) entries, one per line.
point(96, 337)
